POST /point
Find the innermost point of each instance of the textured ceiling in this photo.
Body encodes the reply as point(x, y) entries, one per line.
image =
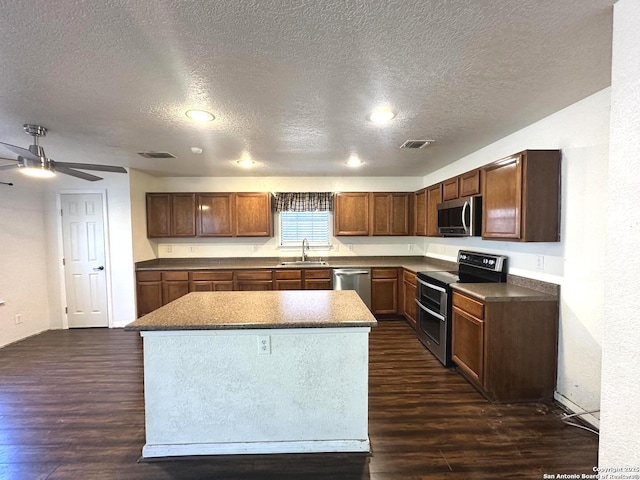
point(292, 82)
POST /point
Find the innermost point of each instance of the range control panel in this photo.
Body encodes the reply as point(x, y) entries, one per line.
point(495, 263)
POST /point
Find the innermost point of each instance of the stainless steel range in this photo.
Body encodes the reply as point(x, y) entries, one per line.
point(434, 297)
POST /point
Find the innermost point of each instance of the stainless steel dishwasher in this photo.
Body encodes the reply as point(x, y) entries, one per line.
point(358, 279)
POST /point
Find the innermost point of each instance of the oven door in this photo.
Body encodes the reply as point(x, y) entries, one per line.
point(433, 297)
point(433, 332)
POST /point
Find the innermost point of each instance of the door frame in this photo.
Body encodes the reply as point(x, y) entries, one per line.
point(60, 251)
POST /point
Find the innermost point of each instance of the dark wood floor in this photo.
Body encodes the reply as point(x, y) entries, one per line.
point(71, 407)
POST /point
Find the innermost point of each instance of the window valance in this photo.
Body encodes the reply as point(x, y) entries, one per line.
point(304, 201)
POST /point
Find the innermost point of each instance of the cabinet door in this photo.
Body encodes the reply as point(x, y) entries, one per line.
point(288, 280)
point(183, 215)
point(351, 214)
point(149, 296)
point(158, 215)
point(215, 215)
point(502, 200)
point(470, 183)
point(450, 189)
point(410, 307)
point(381, 215)
point(399, 214)
point(253, 215)
point(467, 349)
point(253, 280)
point(384, 291)
point(420, 213)
point(434, 197)
point(317, 279)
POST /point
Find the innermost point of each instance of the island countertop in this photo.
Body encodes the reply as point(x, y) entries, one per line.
point(267, 309)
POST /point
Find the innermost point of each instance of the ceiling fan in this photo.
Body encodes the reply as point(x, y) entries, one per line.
point(34, 162)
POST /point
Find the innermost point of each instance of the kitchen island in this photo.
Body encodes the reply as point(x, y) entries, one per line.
point(256, 372)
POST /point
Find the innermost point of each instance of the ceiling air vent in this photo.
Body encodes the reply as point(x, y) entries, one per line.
point(416, 143)
point(157, 155)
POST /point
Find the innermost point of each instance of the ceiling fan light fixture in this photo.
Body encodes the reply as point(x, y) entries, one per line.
point(39, 172)
point(200, 116)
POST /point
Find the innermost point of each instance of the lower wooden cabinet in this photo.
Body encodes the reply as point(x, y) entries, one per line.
point(317, 279)
point(155, 288)
point(384, 291)
point(288, 280)
point(252, 280)
point(409, 292)
point(506, 349)
point(211, 281)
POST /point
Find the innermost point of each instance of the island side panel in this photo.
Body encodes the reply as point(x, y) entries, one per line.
point(215, 391)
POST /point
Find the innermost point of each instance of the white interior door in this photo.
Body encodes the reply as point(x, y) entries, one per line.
point(84, 260)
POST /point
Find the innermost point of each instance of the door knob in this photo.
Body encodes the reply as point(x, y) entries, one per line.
point(97, 269)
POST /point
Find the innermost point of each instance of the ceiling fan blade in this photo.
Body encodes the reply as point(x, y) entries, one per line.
point(89, 166)
point(23, 152)
point(7, 167)
point(75, 173)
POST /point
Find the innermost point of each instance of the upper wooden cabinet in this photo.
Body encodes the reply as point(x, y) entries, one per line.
point(171, 215)
point(214, 215)
point(420, 213)
point(521, 199)
point(253, 215)
point(390, 213)
point(466, 185)
point(450, 189)
point(351, 214)
point(470, 183)
point(434, 197)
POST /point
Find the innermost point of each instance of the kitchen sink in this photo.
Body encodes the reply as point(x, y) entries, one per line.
point(305, 262)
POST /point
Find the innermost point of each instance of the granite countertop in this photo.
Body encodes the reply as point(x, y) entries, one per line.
point(413, 263)
point(502, 292)
point(268, 309)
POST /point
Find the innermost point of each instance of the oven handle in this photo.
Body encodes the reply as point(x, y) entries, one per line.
point(430, 285)
point(430, 312)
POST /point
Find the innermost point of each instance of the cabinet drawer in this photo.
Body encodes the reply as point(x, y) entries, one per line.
point(384, 273)
point(288, 274)
point(148, 276)
point(469, 305)
point(175, 276)
point(322, 274)
point(254, 275)
point(409, 277)
point(215, 276)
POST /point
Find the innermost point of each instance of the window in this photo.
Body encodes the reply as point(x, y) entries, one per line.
point(296, 226)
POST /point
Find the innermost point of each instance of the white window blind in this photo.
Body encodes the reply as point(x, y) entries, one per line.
point(296, 226)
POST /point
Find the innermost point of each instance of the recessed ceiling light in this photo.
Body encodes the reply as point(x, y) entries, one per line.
point(199, 115)
point(382, 115)
point(196, 150)
point(354, 161)
point(246, 163)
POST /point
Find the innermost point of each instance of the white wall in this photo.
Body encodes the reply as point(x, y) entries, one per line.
point(140, 183)
point(620, 440)
point(267, 247)
point(120, 272)
point(581, 132)
point(23, 265)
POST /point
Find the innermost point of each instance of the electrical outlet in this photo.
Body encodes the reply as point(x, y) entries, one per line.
point(169, 249)
point(540, 262)
point(410, 246)
point(191, 249)
point(350, 246)
point(18, 318)
point(256, 248)
point(264, 345)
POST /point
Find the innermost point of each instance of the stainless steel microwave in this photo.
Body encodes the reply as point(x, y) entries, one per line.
point(461, 217)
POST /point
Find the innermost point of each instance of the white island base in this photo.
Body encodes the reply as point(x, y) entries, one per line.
point(256, 391)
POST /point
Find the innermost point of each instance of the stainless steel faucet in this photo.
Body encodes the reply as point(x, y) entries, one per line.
point(305, 249)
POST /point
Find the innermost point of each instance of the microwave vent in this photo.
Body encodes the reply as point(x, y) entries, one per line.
point(416, 143)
